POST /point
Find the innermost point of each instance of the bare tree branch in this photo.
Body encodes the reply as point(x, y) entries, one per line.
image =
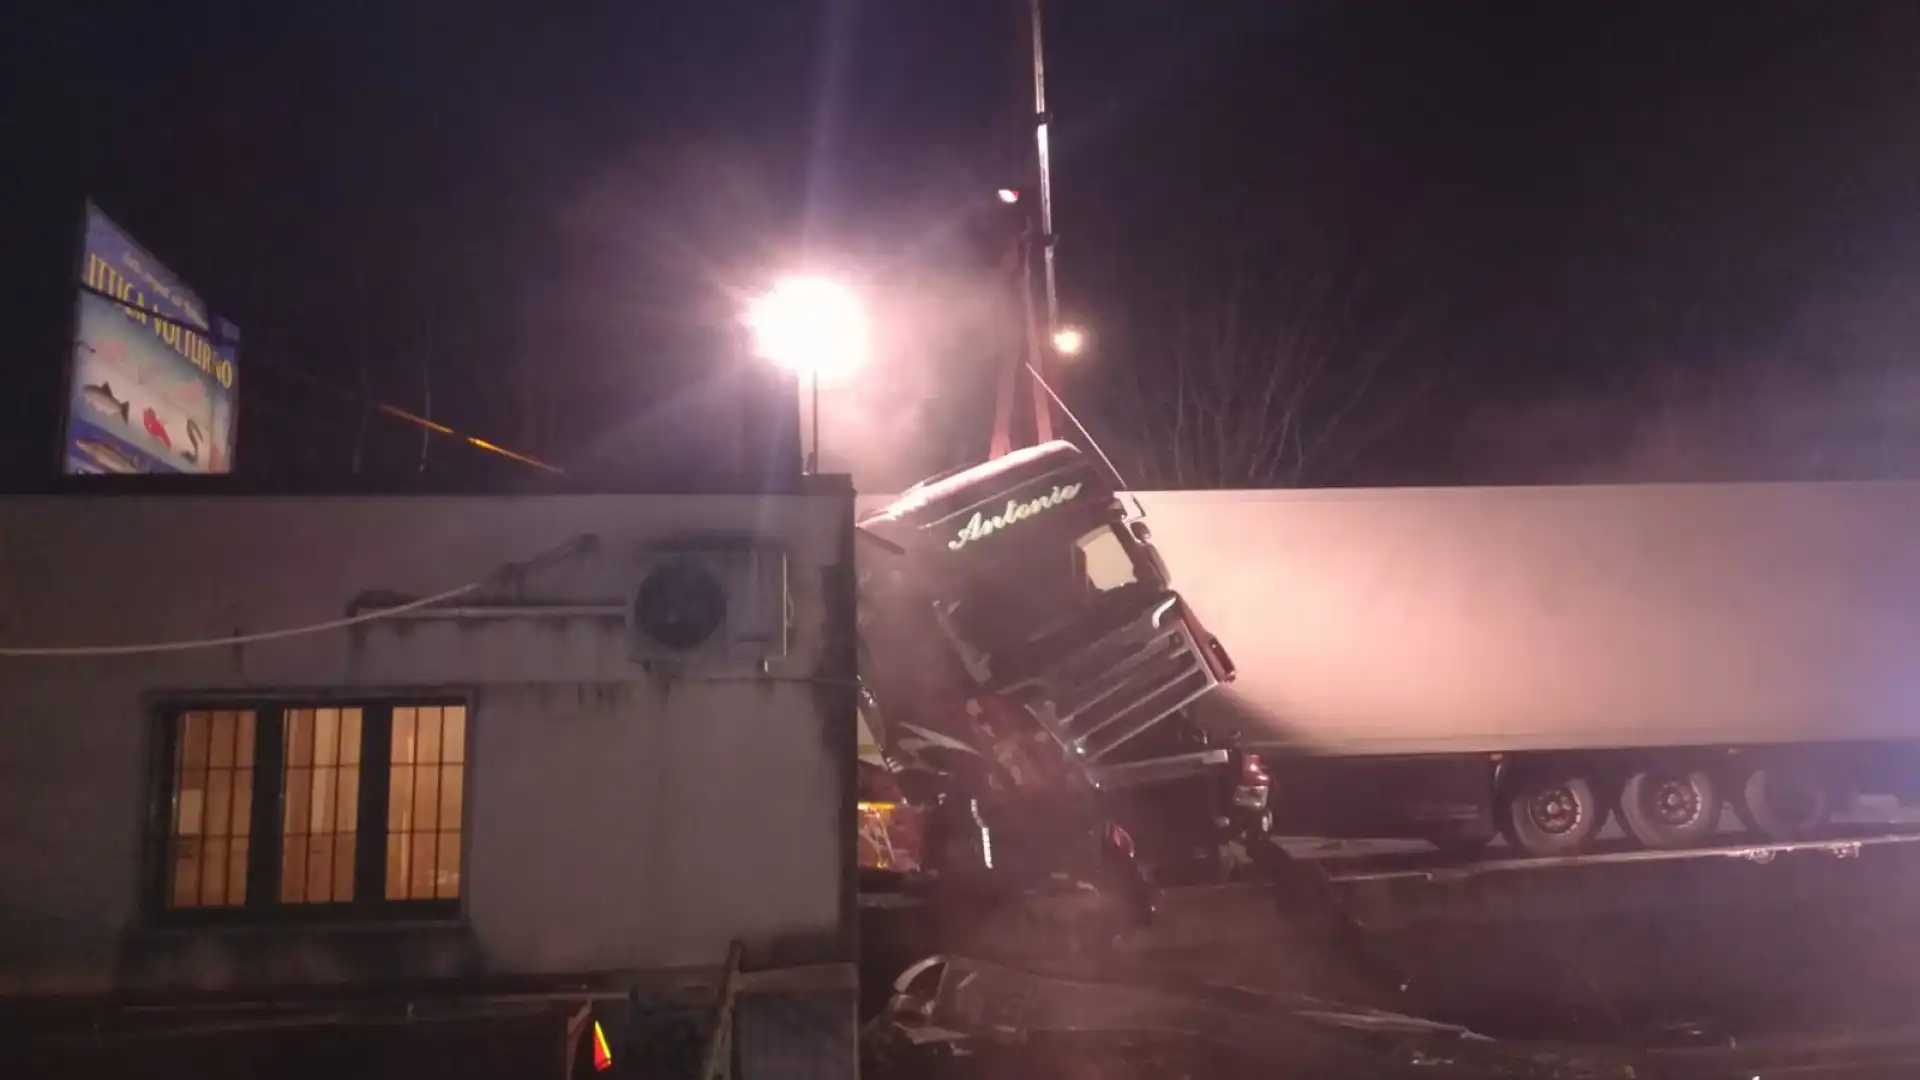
point(1267, 369)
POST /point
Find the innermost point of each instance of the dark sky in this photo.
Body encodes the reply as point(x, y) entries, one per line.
point(1500, 234)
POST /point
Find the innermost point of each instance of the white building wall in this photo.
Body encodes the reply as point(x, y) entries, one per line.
point(615, 820)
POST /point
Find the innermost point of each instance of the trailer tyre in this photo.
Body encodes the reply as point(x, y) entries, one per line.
point(1782, 802)
point(1668, 808)
point(1549, 812)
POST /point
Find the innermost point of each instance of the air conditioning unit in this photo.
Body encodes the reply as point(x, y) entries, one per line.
point(714, 600)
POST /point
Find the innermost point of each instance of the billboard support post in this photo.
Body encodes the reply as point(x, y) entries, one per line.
point(73, 337)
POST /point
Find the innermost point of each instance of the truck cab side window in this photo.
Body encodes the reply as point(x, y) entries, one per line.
point(1105, 562)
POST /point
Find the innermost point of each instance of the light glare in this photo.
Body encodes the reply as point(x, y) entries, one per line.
point(1069, 340)
point(810, 326)
point(1009, 196)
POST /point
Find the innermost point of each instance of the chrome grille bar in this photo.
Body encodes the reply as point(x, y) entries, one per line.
point(1116, 688)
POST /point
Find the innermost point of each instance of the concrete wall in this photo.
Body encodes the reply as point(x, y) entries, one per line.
point(615, 820)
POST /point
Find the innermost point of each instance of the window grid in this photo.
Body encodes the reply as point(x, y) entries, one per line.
point(321, 805)
point(310, 773)
point(425, 790)
point(211, 818)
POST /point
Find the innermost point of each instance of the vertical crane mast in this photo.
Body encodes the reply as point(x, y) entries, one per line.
point(1040, 316)
point(1042, 119)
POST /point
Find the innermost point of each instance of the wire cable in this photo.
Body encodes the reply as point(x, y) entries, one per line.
point(363, 399)
point(1091, 441)
point(507, 572)
point(76, 651)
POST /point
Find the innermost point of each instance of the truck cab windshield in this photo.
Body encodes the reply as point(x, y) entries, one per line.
point(1032, 594)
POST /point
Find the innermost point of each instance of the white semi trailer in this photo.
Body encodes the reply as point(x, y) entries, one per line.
point(1452, 664)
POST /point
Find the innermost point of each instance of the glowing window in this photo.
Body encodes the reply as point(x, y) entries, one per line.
point(211, 812)
point(321, 807)
point(425, 786)
point(333, 808)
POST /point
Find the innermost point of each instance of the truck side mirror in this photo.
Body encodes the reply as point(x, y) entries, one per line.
point(1145, 538)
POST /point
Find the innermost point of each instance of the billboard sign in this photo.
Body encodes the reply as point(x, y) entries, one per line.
point(152, 384)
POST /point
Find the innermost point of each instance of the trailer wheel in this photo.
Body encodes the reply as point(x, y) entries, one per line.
point(1670, 808)
point(1548, 812)
point(1783, 802)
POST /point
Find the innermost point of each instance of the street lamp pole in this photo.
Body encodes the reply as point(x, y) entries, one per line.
point(809, 327)
point(812, 467)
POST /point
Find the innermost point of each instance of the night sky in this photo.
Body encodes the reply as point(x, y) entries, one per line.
point(1360, 243)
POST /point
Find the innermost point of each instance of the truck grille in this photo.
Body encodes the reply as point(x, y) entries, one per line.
point(1101, 696)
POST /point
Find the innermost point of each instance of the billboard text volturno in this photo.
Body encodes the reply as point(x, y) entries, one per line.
point(153, 380)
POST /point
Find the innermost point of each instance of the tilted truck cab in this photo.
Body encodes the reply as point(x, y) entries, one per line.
point(1016, 623)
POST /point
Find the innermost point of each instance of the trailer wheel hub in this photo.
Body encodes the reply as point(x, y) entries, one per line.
point(1676, 802)
point(1555, 811)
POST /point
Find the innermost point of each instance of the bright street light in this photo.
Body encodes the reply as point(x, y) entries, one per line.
point(1069, 340)
point(810, 326)
point(1009, 196)
point(813, 328)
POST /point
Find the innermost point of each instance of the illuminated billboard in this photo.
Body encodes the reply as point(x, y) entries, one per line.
point(151, 387)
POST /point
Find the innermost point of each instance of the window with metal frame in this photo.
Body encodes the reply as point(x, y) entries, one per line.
point(316, 809)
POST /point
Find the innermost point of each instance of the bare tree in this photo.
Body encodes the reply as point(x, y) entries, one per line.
point(1265, 372)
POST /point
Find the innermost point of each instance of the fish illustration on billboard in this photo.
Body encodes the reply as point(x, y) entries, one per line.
point(100, 397)
point(108, 457)
point(151, 420)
